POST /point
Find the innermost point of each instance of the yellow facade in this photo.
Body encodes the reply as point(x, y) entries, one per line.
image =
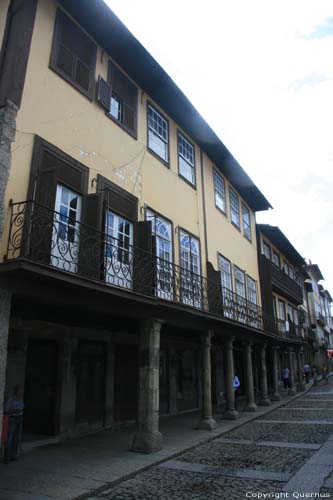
point(56, 111)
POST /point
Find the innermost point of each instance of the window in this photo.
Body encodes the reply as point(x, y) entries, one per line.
point(290, 313)
point(225, 270)
point(267, 251)
point(246, 222)
point(251, 290)
point(241, 294)
point(186, 163)
point(162, 234)
point(124, 99)
point(234, 208)
point(190, 269)
point(276, 259)
point(282, 327)
point(66, 230)
point(73, 55)
point(219, 190)
point(252, 309)
point(291, 272)
point(118, 251)
point(226, 282)
point(158, 134)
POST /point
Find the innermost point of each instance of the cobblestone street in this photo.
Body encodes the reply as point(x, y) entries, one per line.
point(282, 454)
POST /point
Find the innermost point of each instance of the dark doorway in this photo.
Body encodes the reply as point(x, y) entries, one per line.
point(90, 402)
point(239, 368)
point(187, 380)
point(40, 389)
point(126, 382)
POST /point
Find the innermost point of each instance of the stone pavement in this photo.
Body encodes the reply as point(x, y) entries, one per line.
point(261, 459)
point(83, 467)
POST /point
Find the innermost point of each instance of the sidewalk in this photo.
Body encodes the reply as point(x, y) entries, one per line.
point(78, 468)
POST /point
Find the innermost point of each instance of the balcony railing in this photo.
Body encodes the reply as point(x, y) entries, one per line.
point(283, 283)
point(52, 239)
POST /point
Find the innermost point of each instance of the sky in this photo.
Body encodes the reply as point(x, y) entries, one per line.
point(261, 74)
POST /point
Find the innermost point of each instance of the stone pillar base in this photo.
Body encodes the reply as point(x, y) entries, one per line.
point(291, 391)
point(276, 397)
point(207, 424)
point(265, 402)
point(251, 407)
point(147, 442)
point(231, 415)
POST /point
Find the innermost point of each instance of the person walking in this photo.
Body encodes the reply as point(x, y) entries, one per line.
point(285, 378)
point(307, 371)
point(14, 409)
point(315, 375)
point(325, 375)
point(236, 387)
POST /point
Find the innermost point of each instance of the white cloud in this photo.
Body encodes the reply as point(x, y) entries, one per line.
point(264, 82)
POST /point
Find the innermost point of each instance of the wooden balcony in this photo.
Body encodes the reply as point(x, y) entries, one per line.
point(286, 286)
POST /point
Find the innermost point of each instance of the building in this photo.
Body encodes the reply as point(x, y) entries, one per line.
point(319, 301)
point(129, 269)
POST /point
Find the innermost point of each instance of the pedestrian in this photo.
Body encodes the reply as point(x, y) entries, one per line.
point(236, 387)
point(285, 378)
point(315, 375)
point(14, 409)
point(307, 370)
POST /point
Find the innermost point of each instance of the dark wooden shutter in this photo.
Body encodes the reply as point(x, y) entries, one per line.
point(128, 93)
point(73, 54)
point(91, 237)
point(117, 199)
point(143, 268)
point(214, 290)
point(40, 217)
point(104, 93)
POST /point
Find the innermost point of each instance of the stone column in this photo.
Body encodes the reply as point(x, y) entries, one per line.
point(5, 303)
point(292, 388)
point(264, 401)
point(300, 383)
point(173, 393)
point(148, 438)
point(251, 405)
point(276, 395)
point(207, 422)
point(7, 136)
point(231, 413)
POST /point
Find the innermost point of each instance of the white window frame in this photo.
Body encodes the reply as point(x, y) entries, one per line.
point(219, 191)
point(246, 224)
point(190, 263)
point(66, 230)
point(225, 269)
point(118, 251)
point(162, 231)
point(234, 208)
point(240, 290)
point(158, 133)
point(186, 159)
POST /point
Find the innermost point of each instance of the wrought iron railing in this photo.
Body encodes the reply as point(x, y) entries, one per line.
point(55, 240)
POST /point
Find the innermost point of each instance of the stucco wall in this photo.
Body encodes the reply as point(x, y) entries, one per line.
point(60, 114)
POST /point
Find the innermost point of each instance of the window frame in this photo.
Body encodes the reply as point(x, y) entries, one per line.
point(216, 174)
point(191, 236)
point(275, 254)
point(249, 238)
point(60, 15)
point(232, 192)
point(241, 271)
point(220, 257)
point(247, 280)
point(194, 183)
point(151, 151)
point(267, 245)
